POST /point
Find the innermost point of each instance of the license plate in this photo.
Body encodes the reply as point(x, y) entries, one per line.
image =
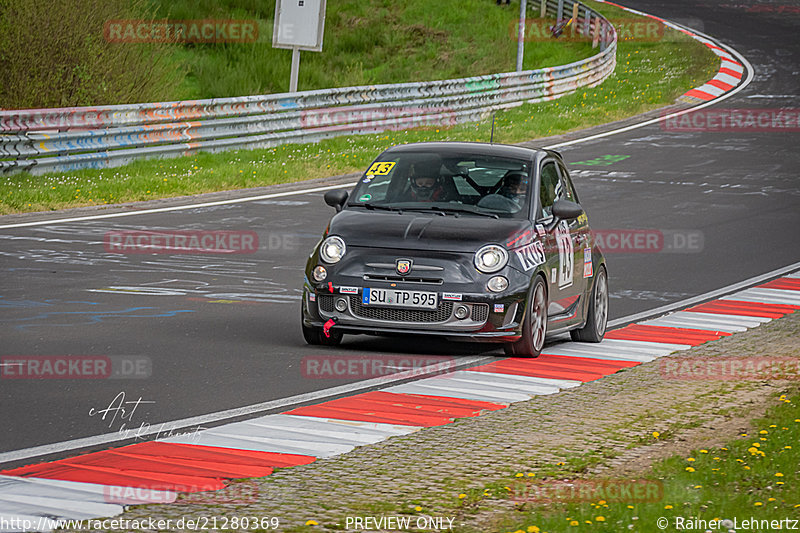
point(398, 298)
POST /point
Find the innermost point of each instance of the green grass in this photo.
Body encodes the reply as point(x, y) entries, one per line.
point(365, 42)
point(754, 476)
point(648, 75)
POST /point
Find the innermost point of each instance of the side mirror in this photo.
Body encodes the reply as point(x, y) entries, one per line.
point(566, 210)
point(336, 198)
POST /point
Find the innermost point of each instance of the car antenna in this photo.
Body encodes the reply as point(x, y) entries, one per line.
point(491, 139)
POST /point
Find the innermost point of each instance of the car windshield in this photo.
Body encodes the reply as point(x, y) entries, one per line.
point(446, 184)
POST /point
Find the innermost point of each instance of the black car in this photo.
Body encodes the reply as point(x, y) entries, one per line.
point(479, 242)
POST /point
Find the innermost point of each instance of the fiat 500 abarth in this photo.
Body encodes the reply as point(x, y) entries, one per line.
point(470, 241)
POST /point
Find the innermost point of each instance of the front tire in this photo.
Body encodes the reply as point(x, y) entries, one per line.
point(597, 319)
point(534, 327)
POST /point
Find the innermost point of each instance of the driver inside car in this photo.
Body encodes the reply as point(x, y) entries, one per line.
point(426, 182)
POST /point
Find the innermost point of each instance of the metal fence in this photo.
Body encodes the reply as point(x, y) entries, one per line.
point(59, 140)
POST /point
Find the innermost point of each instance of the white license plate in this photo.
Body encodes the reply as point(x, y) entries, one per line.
point(398, 298)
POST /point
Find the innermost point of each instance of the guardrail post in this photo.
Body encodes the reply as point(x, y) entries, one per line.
point(543, 9)
point(596, 36)
point(560, 11)
point(587, 29)
point(574, 27)
point(603, 32)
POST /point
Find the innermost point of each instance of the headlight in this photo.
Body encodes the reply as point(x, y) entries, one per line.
point(319, 273)
point(497, 284)
point(491, 258)
point(332, 249)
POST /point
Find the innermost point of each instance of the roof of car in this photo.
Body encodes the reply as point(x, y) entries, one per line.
point(472, 147)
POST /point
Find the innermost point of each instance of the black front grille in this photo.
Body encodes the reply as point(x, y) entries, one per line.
point(390, 314)
point(480, 312)
point(325, 302)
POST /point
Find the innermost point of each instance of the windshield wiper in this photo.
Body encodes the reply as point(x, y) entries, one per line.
point(463, 209)
point(378, 206)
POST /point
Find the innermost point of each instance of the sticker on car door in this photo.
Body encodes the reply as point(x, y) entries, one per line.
point(565, 255)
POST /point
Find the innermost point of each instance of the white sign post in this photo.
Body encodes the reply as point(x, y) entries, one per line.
point(299, 25)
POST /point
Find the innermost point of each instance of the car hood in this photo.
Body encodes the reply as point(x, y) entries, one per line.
point(418, 231)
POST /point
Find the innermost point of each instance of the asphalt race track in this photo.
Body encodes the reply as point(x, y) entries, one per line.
point(220, 332)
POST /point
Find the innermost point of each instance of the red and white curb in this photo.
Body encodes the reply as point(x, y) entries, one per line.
point(100, 484)
point(730, 71)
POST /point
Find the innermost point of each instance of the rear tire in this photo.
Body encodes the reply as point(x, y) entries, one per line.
point(597, 319)
point(534, 327)
point(316, 337)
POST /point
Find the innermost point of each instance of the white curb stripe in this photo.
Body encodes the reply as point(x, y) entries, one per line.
point(736, 320)
point(670, 322)
point(466, 393)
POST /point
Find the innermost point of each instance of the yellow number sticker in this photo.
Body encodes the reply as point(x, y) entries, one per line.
point(380, 169)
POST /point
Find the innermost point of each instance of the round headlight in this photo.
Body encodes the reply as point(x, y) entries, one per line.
point(332, 249)
point(491, 258)
point(497, 284)
point(319, 273)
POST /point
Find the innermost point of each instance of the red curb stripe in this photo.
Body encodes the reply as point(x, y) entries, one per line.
point(786, 284)
point(636, 332)
point(220, 455)
point(720, 85)
point(740, 308)
point(586, 361)
point(541, 371)
point(415, 400)
point(393, 408)
point(730, 72)
point(113, 476)
point(699, 94)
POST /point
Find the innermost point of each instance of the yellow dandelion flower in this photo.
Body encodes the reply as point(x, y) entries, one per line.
point(600, 518)
point(689, 469)
point(417, 508)
point(574, 523)
point(758, 504)
point(778, 474)
point(656, 434)
point(312, 523)
point(667, 506)
point(462, 496)
point(533, 529)
point(690, 459)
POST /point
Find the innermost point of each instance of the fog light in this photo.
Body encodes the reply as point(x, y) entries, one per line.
point(497, 284)
point(341, 305)
point(461, 312)
point(320, 273)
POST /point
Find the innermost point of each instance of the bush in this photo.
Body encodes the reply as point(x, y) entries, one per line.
point(54, 54)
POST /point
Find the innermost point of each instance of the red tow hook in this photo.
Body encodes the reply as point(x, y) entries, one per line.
point(326, 328)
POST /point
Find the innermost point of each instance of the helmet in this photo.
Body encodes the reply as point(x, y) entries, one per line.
point(425, 178)
point(515, 185)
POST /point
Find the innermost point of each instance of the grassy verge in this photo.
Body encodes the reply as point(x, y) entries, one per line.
point(370, 42)
point(648, 75)
point(753, 477)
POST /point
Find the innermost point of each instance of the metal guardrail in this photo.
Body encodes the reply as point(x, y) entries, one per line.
point(58, 140)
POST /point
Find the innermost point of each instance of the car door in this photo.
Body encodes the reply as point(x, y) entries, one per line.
point(560, 247)
point(579, 234)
